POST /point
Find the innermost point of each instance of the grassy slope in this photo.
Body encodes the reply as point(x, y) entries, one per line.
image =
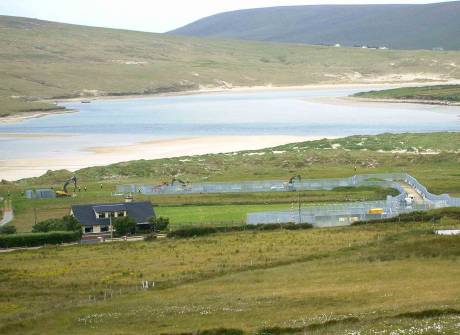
point(448, 93)
point(245, 280)
point(315, 159)
point(41, 59)
point(394, 26)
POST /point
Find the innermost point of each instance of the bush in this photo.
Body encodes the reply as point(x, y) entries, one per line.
point(124, 226)
point(159, 224)
point(221, 331)
point(419, 216)
point(67, 223)
point(203, 231)
point(7, 229)
point(38, 239)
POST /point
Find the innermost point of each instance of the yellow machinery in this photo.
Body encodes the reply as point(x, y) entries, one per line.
point(64, 192)
point(375, 211)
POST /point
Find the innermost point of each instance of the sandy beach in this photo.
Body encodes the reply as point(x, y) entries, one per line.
point(154, 149)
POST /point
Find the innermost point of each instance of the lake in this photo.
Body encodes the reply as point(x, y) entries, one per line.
point(297, 112)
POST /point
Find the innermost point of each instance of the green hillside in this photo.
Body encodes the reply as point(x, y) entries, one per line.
point(439, 93)
point(45, 60)
point(405, 26)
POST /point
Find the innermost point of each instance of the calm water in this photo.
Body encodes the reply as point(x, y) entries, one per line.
point(296, 112)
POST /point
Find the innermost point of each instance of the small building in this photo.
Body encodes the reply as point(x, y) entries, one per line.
point(41, 193)
point(97, 218)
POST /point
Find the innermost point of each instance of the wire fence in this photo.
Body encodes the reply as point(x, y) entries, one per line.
point(325, 215)
point(347, 213)
point(259, 186)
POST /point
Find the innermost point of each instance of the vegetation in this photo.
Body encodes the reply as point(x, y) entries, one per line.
point(368, 25)
point(124, 226)
point(192, 231)
point(381, 278)
point(7, 229)
point(67, 223)
point(40, 60)
point(159, 223)
point(440, 93)
point(38, 239)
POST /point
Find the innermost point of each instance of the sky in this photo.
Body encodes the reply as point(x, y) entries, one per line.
point(149, 15)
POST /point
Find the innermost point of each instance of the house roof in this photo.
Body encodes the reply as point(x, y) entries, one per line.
point(139, 211)
point(110, 208)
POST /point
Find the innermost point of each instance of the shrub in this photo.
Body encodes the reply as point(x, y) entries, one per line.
point(38, 239)
point(160, 223)
point(66, 223)
point(419, 216)
point(203, 231)
point(7, 229)
point(124, 226)
point(221, 331)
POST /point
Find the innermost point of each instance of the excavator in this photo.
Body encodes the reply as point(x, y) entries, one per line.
point(64, 192)
point(176, 181)
point(290, 184)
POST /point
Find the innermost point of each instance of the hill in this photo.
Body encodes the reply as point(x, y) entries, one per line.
point(395, 26)
point(439, 94)
point(48, 60)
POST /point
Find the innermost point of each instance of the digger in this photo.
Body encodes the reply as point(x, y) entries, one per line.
point(64, 192)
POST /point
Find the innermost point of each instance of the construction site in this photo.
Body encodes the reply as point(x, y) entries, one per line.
point(412, 196)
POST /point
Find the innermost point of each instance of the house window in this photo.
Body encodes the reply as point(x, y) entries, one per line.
point(88, 229)
point(121, 214)
point(104, 229)
point(111, 214)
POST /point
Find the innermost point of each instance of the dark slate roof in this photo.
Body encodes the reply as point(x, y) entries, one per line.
point(140, 211)
point(110, 208)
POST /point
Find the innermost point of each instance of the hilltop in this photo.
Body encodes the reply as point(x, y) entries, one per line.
point(47, 60)
point(396, 26)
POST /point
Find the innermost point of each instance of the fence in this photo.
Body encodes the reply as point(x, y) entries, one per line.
point(337, 214)
point(347, 213)
point(260, 186)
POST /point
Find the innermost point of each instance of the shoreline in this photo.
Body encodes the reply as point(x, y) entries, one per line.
point(148, 150)
point(403, 101)
point(263, 88)
point(210, 90)
point(24, 116)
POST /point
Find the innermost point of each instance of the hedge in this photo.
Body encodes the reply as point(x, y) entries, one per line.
point(418, 216)
point(38, 239)
point(202, 231)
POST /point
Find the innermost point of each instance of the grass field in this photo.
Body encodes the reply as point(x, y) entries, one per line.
point(372, 279)
point(441, 93)
point(41, 60)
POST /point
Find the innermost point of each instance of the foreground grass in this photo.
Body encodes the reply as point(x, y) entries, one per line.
point(371, 275)
point(40, 59)
point(447, 93)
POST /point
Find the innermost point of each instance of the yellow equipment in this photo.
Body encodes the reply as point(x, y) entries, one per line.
point(62, 194)
point(375, 211)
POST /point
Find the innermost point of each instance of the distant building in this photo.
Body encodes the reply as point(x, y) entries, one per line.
point(41, 193)
point(338, 45)
point(383, 48)
point(96, 218)
point(438, 49)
